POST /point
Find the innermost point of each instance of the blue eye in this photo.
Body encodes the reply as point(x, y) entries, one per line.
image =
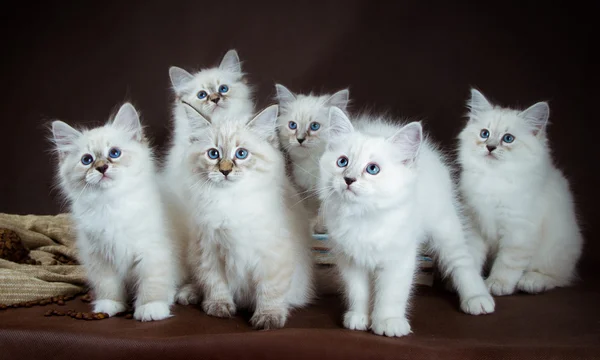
point(342, 161)
point(213, 153)
point(315, 126)
point(484, 134)
point(202, 94)
point(292, 125)
point(373, 169)
point(508, 138)
point(223, 89)
point(114, 153)
point(241, 154)
point(87, 159)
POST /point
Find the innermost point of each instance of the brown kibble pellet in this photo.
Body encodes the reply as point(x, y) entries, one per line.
point(60, 302)
point(129, 316)
point(79, 316)
point(48, 313)
point(59, 313)
point(101, 316)
point(3, 307)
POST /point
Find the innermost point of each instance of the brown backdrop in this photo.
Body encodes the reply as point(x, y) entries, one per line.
point(78, 62)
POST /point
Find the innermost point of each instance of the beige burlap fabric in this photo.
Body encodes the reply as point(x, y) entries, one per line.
point(45, 237)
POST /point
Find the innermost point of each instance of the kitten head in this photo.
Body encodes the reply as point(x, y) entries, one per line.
point(366, 168)
point(216, 90)
point(232, 150)
point(102, 157)
point(303, 119)
point(496, 135)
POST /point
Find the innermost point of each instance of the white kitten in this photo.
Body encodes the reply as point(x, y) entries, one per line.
point(302, 122)
point(215, 92)
point(253, 249)
point(385, 191)
point(108, 176)
point(520, 203)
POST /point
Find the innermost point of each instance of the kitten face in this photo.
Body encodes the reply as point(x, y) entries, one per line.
point(303, 120)
point(215, 90)
point(496, 135)
point(102, 157)
point(232, 150)
point(364, 169)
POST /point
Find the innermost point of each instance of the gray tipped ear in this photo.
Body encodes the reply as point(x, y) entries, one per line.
point(264, 124)
point(179, 77)
point(408, 140)
point(339, 124)
point(478, 104)
point(231, 62)
point(128, 120)
point(536, 116)
point(340, 99)
point(64, 136)
point(197, 122)
point(284, 95)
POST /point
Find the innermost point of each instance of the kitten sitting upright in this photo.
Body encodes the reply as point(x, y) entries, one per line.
point(520, 204)
point(302, 124)
point(385, 191)
point(253, 244)
point(108, 176)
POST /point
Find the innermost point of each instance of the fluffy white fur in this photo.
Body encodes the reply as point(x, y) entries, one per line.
point(122, 235)
point(253, 244)
point(520, 204)
point(378, 222)
point(235, 102)
point(303, 144)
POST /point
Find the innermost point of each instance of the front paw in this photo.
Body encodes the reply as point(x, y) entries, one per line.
point(534, 283)
point(356, 321)
point(152, 311)
point(478, 305)
point(219, 308)
point(391, 327)
point(500, 287)
point(187, 294)
point(109, 307)
point(269, 319)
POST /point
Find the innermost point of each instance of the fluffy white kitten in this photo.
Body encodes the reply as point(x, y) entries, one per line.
point(520, 203)
point(302, 124)
point(216, 92)
point(385, 191)
point(108, 175)
point(253, 248)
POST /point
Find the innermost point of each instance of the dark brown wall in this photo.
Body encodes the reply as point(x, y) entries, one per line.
point(77, 62)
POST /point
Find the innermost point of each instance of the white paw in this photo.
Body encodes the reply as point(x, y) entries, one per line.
point(156, 310)
point(269, 319)
point(219, 308)
point(109, 307)
point(356, 321)
point(478, 305)
point(391, 327)
point(500, 287)
point(535, 282)
point(187, 294)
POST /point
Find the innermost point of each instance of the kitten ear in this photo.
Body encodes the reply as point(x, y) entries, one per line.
point(340, 99)
point(231, 62)
point(64, 136)
point(264, 124)
point(408, 140)
point(339, 124)
point(128, 120)
point(478, 104)
point(536, 116)
point(284, 95)
point(197, 122)
point(179, 77)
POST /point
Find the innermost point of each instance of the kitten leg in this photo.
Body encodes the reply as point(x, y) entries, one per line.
point(187, 294)
point(273, 283)
point(393, 283)
point(457, 261)
point(156, 287)
point(534, 282)
point(513, 258)
point(109, 289)
point(218, 300)
point(357, 290)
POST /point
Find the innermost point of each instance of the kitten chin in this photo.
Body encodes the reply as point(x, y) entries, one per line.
point(511, 187)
